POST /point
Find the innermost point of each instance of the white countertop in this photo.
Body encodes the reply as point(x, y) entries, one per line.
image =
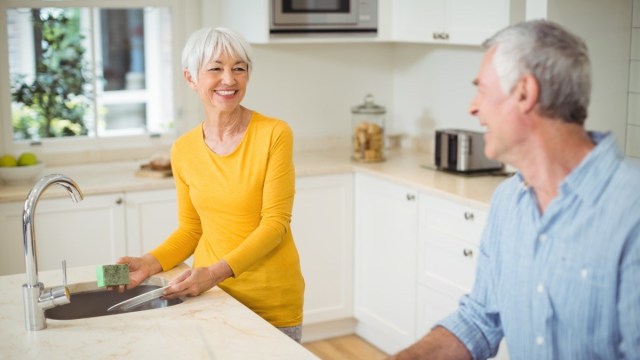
point(403, 166)
point(213, 323)
point(211, 326)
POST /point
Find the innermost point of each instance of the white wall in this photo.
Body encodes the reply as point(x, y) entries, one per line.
point(606, 28)
point(432, 88)
point(423, 86)
point(314, 87)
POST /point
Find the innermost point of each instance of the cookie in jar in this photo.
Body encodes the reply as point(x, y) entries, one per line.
point(368, 131)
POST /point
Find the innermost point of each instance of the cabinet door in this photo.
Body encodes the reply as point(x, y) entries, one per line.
point(385, 233)
point(322, 229)
point(417, 20)
point(448, 240)
point(449, 235)
point(86, 233)
point(151, 217)
point(463, 22)
point(471, 22)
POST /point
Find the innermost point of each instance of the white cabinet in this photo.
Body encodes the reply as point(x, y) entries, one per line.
point(448, 244)
point(322, 229)
point(448, 239)
point(86, 233)
point(97, 230)
point(151, 217)
point(465, 22)
point(385, 262)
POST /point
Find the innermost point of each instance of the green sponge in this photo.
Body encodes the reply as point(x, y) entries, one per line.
point(112, 275)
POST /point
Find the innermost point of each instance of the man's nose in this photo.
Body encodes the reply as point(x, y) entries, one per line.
point(473, 107)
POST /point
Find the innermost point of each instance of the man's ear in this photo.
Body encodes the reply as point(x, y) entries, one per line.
point(189, 79)
point(528, 92)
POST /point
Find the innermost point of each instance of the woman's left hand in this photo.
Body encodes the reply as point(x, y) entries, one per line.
point(194, 282)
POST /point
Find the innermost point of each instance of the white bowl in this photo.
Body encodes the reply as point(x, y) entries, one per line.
point(21, 174)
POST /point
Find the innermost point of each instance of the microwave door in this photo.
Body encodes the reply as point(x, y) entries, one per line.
point(315, 12)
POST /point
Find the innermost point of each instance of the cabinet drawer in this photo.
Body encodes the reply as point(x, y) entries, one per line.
point(432, 306)
point(461, 221)
point(448, 261)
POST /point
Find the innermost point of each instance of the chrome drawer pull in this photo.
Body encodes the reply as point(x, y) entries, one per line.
point(468, 215)
point(467, 252)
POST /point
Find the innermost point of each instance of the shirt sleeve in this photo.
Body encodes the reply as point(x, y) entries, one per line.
point(183, 241)
point(277, 204)
point(629, 297)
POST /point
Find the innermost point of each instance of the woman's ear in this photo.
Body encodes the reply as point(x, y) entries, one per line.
point(189, 79)
point(528, 91)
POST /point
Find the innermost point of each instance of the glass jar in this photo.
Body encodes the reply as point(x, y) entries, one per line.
point(368, 131)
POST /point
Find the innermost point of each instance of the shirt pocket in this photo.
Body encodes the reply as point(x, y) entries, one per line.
point(582, 292)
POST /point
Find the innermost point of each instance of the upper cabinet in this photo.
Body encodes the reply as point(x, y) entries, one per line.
point(460, 22)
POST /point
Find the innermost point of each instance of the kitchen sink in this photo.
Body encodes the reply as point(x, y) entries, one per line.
point(88, 300)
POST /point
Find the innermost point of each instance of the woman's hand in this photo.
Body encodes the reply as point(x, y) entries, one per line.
point(140, 268)
point(194, 282)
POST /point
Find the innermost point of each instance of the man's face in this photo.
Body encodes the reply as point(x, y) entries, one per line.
point(496, 110)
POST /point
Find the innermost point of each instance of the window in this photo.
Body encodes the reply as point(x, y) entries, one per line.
point(87, 75)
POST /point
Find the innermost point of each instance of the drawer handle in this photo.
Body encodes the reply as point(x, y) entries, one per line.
point(467, 252)
point(468, 215)
point(411, 197)
point(119, 201)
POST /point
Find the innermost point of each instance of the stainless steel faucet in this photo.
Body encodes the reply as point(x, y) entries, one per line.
point(36, 297)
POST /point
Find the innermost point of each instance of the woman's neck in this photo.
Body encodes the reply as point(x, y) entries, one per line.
point(223, 132)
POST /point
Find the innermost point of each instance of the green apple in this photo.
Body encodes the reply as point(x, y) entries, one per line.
point(8, 161)
point(27, 159)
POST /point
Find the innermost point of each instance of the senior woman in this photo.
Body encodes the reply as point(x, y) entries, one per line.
point(235, 184)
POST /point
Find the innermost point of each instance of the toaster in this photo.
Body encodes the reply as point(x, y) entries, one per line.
point(462, 151)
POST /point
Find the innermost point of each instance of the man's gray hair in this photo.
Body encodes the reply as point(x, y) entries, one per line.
point(558, 59)
point(207, 44)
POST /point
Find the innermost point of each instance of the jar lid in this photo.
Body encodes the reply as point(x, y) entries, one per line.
point(369, 107)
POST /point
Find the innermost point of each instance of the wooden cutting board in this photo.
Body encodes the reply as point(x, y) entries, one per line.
point(146, 171)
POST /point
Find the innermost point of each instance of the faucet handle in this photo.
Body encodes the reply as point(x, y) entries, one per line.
point(64, 273)
point(60, 295)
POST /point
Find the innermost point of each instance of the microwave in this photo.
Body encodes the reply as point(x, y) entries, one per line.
point(318, 16)
point(462, 151)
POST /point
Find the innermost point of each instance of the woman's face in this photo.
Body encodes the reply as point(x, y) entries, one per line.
point(222, 83)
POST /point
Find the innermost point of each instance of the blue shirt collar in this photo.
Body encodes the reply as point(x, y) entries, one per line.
point(589, 178)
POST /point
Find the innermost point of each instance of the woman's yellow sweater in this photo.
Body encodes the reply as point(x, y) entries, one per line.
point(238, 207)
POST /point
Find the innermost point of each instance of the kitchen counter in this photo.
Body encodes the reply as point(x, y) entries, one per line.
point(211, 326)
point(402, 165)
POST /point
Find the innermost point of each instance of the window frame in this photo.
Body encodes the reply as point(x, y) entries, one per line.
point(119, 143)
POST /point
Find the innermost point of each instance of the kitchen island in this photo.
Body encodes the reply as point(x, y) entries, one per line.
point(211, 326)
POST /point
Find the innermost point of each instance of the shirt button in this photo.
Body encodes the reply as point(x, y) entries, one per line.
point(539, 340)
point(542, 238)
point(540, 288)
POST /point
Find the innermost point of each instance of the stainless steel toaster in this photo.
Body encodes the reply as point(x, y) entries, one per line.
point(462, 151)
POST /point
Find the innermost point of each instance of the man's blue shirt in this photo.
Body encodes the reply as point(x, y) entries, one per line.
point(564, 284)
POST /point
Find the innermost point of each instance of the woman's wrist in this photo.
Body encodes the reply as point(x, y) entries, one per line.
point(220, 271)
point(152, 264)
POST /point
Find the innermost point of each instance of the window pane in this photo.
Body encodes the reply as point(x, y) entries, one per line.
point(126, 116)
point(134, 68)
point(50, 74)
point(62, 85)
point(122, 33)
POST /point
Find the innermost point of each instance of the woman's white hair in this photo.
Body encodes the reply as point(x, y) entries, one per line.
point(557, 59)
point(207, 44)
